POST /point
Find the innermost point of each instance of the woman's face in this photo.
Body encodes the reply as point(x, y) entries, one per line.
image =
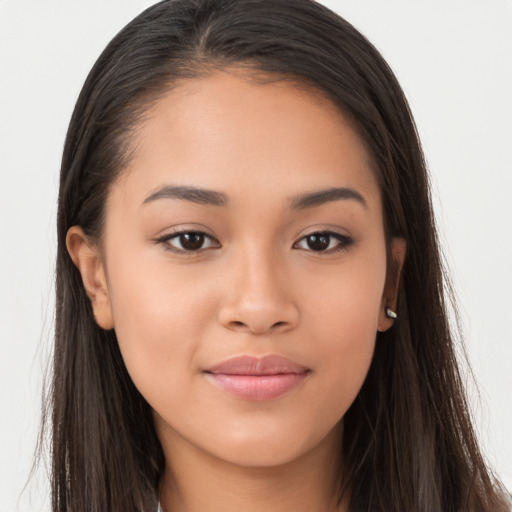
point(243, 267)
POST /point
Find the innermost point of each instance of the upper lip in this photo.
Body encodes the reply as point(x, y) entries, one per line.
point(251, 365)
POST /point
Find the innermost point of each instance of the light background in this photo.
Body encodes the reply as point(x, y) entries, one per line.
point(454, 61)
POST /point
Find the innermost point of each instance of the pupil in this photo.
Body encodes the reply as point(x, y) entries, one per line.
point(191, 241)
point(318, 242)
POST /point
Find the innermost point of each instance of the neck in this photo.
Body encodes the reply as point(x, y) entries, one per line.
point(195, 481)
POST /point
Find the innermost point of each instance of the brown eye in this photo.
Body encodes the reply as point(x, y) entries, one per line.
point(189, 241)
point(318, 241)
point(325, 242)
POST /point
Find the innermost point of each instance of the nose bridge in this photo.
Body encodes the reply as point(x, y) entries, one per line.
point(257, 268)
point(258, 298)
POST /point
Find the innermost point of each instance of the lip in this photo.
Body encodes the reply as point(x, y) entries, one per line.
point(257, 378)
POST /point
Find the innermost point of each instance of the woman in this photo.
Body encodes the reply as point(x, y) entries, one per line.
point(249, 289)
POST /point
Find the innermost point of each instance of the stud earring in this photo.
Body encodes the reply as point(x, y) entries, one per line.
point(391, 314)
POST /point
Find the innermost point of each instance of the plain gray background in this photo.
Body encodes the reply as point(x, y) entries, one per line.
point(454, 61)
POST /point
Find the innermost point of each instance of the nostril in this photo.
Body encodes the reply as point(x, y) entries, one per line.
point(236, 324)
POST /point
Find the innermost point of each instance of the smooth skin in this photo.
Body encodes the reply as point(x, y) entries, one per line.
point(255, 283)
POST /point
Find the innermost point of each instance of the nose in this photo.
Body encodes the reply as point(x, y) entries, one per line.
point(258, 297)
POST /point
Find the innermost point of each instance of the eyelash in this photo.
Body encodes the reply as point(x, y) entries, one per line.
point(344, 241)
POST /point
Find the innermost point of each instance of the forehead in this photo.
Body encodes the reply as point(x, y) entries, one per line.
point(228, 132)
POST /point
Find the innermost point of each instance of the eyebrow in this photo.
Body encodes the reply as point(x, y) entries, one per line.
point(214, 198)
point(320, 197)
point(193, 194)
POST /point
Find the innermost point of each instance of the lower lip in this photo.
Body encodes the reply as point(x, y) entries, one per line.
point(257, 387)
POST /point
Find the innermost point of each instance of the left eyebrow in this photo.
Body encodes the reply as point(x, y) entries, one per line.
point(320, 197)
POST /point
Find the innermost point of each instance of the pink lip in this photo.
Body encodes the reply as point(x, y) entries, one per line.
point(256, 378)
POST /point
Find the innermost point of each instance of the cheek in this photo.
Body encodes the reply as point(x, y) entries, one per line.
point(345, 302)
point(160, 316)
point(344, 328)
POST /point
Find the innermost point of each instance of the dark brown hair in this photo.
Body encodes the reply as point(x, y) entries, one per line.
point(408, 442)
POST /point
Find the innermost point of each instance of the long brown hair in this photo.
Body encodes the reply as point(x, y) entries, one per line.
point(408, 442)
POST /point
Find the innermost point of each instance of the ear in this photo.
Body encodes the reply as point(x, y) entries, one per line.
point(87, 258)
point(390, 295)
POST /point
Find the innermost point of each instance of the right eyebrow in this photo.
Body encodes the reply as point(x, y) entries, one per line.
point(188, 193)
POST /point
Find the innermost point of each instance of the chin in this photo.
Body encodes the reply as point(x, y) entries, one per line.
point(261, 453)
point(269, 446)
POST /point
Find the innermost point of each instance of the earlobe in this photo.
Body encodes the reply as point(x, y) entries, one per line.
point(388, 307)
point(87, 258)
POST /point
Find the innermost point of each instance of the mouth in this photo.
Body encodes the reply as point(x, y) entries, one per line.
point(257, 378)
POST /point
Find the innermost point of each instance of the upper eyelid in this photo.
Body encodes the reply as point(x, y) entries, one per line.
point(173, 232)
point(179, 232)
point(328, 232)
point(176, 234)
